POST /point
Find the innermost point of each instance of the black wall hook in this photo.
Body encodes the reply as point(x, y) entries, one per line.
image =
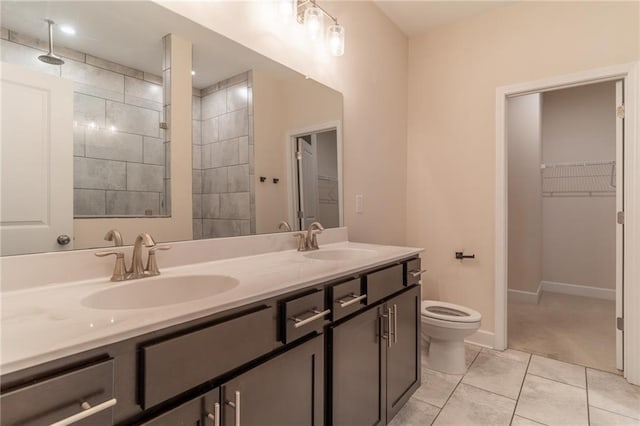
point(263, 178)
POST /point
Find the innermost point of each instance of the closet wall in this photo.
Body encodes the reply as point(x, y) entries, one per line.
point(578, 232)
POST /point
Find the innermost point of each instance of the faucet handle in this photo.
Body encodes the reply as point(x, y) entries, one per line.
point(152, 263)
point(302, 241)
point(120, 269)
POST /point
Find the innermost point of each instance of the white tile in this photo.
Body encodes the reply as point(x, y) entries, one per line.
point(472, 406)
point(78, 140)
point(145, 177)
point(238, 178)
point(210, 130)
point(196, 156)
point(237, 97)
point(211, 206)
point(613, 393)
point(521, 421)
point(214, 104)
point(196, 110)
point(415, 413)
point(133, 119)
point(496, 374)
point(112, 66)
point(243, 150)
point(233, 124)
point(228, 228)
point(89, 111)
point(196, 132)
point(235, 206)
point(89, 173)
point(108, 145)
point(142, 93)
point(89, 202)
point(436, 387)
point(94, 81)
point(133, 203)
point(214, 180)
point(511, 354)
point(225, 153)
point(197, 229)
point(559, 371)
point(552, 403)
point(196, 181)
point(598, 417)
point(196, 206)
point(154, 151)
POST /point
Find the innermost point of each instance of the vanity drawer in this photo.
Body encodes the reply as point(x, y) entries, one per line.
point(347, 298)
point(302, 315)
point(382, 283)
point(413, 272)
point(176, 365)
point(60, 397)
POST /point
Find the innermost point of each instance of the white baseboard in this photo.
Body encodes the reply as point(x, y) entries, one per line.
point(578, 290)
point(524, 296)
point(481, 338)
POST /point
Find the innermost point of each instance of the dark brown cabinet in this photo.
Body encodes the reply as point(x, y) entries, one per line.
point(286, 390)
point(375, 361)
point(196, 412)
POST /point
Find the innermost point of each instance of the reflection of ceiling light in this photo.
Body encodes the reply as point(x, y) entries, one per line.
point(68, 30)
point(311, 16)
point(193, 72)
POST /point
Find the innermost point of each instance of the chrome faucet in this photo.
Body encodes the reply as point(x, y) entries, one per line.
point(137, 268)
point(309, 241)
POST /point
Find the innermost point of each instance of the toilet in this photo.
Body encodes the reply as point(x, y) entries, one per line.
point(445, 326)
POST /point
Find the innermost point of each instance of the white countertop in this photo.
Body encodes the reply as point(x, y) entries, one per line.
point(41, 324)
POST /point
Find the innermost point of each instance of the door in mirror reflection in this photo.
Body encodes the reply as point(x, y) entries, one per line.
point(316, 189)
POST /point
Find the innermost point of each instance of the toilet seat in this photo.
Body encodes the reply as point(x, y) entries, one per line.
point(444, 311)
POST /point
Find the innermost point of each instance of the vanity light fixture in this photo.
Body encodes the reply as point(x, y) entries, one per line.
point(312, 16)
point(193, 72)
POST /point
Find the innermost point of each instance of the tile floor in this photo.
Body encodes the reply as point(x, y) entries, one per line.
point(517, 388)
point(574, 329)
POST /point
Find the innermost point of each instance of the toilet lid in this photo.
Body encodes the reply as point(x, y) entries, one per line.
point(449, 311)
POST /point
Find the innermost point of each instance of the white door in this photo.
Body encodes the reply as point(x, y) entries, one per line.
point(620, 226)
point(36, 178)
point(307, 180)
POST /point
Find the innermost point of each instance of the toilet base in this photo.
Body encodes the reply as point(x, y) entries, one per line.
point(446, 356)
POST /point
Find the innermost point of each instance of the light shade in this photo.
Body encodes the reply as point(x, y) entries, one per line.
point(286, 9)
point(335, 39)
point(313, 22)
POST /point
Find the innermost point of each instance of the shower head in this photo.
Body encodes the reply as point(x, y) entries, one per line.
point(50, 57)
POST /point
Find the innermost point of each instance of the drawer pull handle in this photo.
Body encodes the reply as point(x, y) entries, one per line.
point(215, 417)
point(88, 411)
point(318, 315)
point(395, 323)
point(387, 335)
point(354, 298)
point(236, 408)
point(417, 272)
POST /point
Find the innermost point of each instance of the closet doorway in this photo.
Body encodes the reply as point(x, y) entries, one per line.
point(565, 188)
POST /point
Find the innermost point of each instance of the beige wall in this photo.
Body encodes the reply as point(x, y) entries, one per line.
point(90, 232)
point(579, 233)
point(525, 192)
point(453, 74)
point(372, 75)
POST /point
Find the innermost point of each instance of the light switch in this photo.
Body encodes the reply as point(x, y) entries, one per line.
point(359, 203)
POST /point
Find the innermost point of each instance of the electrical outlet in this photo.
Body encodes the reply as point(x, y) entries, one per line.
point(359, 203)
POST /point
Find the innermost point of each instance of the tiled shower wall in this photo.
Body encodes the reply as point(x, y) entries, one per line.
point(223, 193)
point(119, 149)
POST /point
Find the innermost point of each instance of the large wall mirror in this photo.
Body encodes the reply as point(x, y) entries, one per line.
point(87, 143)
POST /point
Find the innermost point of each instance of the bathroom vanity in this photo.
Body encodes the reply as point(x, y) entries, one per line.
point(326, 337)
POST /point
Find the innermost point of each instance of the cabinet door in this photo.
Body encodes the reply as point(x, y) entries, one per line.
point(403, 356)
point(357, 357)
point(192, 413)
point(286, 390)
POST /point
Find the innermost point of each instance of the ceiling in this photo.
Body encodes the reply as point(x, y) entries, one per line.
point(417, 17)
point(130, 33)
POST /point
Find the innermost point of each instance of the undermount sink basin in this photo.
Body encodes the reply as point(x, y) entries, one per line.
point(339, 254)
point(159, 291)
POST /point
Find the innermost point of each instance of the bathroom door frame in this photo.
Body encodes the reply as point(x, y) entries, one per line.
point(291, 147)
point(630, 74)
